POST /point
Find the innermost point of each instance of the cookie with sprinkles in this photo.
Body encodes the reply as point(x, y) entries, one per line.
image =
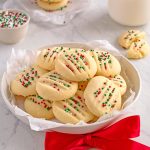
point(52, 86)
point(46, 58)
point(138, 49)
point(25, 82)
point(38, 107)
point(126, 39)
point(72, 110)
point(76, 65)
point(107, 64)
point(119, 81)
point(102, 96)
point(51, 6)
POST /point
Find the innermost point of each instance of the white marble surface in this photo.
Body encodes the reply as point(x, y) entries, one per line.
point(93, 24)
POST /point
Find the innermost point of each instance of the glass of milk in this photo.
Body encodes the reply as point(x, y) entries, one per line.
point(130, 12)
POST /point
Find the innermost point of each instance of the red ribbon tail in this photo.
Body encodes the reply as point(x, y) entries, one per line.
point(125, 145)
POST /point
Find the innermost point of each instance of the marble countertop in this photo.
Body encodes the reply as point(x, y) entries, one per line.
point(93, 24)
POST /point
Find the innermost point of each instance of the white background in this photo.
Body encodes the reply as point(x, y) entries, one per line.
point(92, 25)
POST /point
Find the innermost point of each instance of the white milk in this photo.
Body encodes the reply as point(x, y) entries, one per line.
point(130, 12)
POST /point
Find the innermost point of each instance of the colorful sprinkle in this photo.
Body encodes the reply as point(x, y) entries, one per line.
point(11, 19)
point(40, 101)
point(27, 78)
point(67, 110)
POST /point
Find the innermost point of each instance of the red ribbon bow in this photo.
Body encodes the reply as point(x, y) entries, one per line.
point(115, 137)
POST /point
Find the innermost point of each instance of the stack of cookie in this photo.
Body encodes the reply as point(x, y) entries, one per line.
point(71, 84)
point(52, 5)
point(135, 43)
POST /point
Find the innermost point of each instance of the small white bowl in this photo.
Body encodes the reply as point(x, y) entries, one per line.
point(15, 34)
point(42, 125)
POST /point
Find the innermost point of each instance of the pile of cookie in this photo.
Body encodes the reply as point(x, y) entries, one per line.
point(51, 5)
point(135, 43)
point(71, 84)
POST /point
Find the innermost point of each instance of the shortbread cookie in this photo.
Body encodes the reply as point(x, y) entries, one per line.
point(46, 58)
point(72, 110)
point(52, 6)
point(25, 81)
point(119, 81)
point(52, 86)
point(76, 65)
point(130, 36)
point(102, 96)
point(138, 49)
point(38, 107)
point(107, 64)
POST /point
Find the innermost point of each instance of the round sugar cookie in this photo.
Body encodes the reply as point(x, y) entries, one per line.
point(107, 64)
point(126, 39)
point(72, 110)
point(46, 58)
point(76, 65)
point(38, 107)
point(119, 81)
point(102, 96)
point(52, 86)
point(138, 49)
point(25, 81)
point(52, 6)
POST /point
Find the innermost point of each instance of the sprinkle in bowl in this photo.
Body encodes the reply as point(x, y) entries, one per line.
point(13, 25)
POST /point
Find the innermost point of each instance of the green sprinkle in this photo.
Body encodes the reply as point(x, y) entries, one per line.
point(40, 97)
point(77, 109)
point(71, 98)
point(110, 94)
point(67, 85)
point(109, 61)
point(67, 110)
